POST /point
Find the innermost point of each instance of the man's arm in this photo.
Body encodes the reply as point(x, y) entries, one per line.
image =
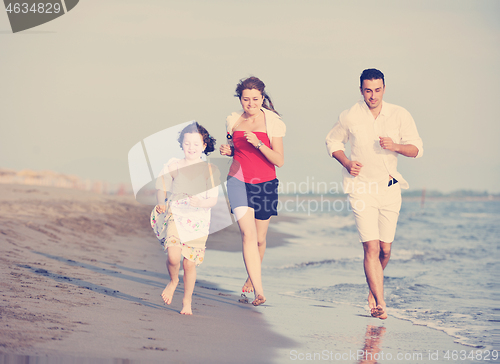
point(353, 167)
point(337, 137)
point(335, 141)
point(410, 144)
point(408, 150)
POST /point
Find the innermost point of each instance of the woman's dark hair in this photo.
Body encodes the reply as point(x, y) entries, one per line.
point(371, 74)
point(194, 127)
point(254, 83)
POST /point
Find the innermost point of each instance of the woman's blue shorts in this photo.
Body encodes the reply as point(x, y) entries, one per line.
point(262, 197)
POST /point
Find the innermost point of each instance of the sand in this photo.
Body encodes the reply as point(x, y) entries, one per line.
point(81, 278)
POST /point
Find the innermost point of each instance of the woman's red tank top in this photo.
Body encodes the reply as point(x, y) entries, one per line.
point(249, 164)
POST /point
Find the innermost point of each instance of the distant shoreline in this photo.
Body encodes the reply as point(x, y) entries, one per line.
point(49, 178)
point(410, 195)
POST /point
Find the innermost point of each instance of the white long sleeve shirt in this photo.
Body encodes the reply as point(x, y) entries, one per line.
point(275, 127)
point(358, 126)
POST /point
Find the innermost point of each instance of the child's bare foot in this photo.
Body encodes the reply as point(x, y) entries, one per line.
point(186, 307)
point(168, 292)
point(248, 286)
point(259, 300)
point(380, 312)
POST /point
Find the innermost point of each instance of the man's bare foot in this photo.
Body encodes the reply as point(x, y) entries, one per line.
point(380, 312)
point(372, 304)
point(259, 300)
point(168, 292)
point(248, 286)
point(186, 307)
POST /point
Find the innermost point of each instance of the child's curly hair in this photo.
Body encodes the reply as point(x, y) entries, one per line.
point(194, 127)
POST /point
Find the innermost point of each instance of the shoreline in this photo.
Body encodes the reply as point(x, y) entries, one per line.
point(229, 238)
point(78, 283)
point(339, 328)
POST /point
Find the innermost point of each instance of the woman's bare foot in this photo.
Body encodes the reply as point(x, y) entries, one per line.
point(168, 292)
point(259, 300)
point(186, 307)
point(248, 286)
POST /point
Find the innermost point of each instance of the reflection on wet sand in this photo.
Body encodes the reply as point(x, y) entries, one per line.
point(21, 359)
point(373, 341)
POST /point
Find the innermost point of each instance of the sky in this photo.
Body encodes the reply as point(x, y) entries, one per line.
point(77, 93)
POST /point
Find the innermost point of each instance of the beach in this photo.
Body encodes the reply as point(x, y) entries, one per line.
point(82, 274)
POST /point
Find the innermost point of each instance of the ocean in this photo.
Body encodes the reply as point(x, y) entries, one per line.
point(443, 272)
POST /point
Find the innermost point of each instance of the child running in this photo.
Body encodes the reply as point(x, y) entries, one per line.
point(182, 221)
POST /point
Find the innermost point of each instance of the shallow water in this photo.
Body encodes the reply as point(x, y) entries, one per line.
point(443, 271)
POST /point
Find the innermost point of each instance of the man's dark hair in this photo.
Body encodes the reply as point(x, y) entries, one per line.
point(371, 74)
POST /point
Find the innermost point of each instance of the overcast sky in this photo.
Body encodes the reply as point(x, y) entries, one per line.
point(77, 93)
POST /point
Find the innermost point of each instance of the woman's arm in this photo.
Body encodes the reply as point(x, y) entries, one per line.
point(275, 154)
point(226, 149)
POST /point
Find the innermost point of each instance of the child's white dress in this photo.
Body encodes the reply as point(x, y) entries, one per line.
point(184, 225)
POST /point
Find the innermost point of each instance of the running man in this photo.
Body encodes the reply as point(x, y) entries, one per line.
point(378, 132)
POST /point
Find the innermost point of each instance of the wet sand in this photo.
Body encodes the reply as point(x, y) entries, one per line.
point(81, 277)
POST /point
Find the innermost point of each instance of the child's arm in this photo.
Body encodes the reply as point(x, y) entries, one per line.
point(212, 190)
point(202, 202)
point(161, 196)
point(163, 184)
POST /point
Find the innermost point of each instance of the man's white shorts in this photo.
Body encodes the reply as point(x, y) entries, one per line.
point(376, 214)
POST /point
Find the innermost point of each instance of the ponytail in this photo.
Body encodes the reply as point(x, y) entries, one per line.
point(269, 106)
